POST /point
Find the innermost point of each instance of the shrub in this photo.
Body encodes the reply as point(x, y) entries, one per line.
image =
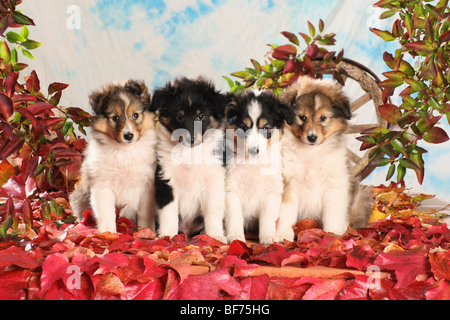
point(40, 152)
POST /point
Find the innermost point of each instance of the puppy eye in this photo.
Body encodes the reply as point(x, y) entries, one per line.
point(179, 116)
point(135, 116)
point(115, 118)
point(323, 118)
point(201, 116)
point(244, 127)
point(303, 118)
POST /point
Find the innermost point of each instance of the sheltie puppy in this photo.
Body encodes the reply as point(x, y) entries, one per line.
point(254, 185)
point(319, 184)
point(118, 169)
point(190, 175)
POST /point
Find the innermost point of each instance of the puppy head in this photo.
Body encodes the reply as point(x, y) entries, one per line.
point(121, 111)
point(321, 109)
point(255, 116)
point(189, 107)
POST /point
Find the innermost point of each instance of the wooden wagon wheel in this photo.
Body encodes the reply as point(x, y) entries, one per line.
point(368, 81)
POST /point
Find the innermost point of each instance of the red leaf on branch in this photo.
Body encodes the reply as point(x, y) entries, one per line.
point(6, 106)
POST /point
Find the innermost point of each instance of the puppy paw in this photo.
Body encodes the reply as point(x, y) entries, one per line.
point(286, 235)
point(221, 238)
point(233, 237)
point(267, 239)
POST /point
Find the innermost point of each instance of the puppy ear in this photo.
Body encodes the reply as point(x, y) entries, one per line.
point(289, 95)
point(99, 100)
point(286, 112)
point(342, 106)
point(139, 89)
point(161, 95)
point(230, 110)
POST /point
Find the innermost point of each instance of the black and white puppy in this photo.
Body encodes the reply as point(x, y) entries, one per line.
point(254, 183)
point(190, 176)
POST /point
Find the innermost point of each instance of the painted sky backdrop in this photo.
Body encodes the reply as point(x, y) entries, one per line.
point(90, 42)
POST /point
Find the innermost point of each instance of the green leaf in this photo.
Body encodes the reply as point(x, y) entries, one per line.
point(240, 74)
point(407, 163)
point(414, 84)
point(387, 14)
point(401, 171)
point(390, 172)
point(385, 35)
point(24, 32)
point(381, 162)
point(312, 30)
point(398, 146)
point(305, 37)
point(31, 44)
point(22, 19)
point(27, 54)
point(14, 37)
point(5, 54)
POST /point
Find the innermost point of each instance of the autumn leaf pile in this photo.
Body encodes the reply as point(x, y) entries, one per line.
point(75, 261)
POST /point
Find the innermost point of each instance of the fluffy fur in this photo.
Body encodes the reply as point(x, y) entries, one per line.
point(190, 178)
point(254, 185)
point(317, 177)
point(119, 163)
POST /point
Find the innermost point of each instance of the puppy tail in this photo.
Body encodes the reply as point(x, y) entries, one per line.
point(361, 207)
point(80, 202)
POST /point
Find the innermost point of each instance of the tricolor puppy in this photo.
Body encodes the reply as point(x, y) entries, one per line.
point(254, 185)
point(318, 181)
point(118, 169)
point(190, 176)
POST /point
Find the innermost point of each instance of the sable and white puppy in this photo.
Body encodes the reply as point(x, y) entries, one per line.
point(118, 169)
point(190, 176)
point(254, 184)
point(318, 181)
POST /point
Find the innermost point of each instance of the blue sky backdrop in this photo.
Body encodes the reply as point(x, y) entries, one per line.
point(156, 40)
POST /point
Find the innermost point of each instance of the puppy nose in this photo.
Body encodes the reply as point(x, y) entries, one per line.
point(253, 151)
point(128, 136)
point(312, 138)
point(192, 141)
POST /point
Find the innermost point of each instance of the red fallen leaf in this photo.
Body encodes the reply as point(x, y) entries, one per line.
point(304, 225)
point(151, 290)
point(296, 257)
point(237, 267)
point(89, 219)
point(358, 289)
point(273, 254)
point(406, 264)
point(240, 249)
point(281, 288)
point(172, 285)
point(203, 240)
point(322, 289)
point(145, 233)
point(360, 257)
point(54, 268)
point(440, 264)
point(310, 235)
point(14, 284)
point(439, 291)
point(215, 285)
point(18, 257)
point(254, 288)
point(109, 287)
point(110, 261)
